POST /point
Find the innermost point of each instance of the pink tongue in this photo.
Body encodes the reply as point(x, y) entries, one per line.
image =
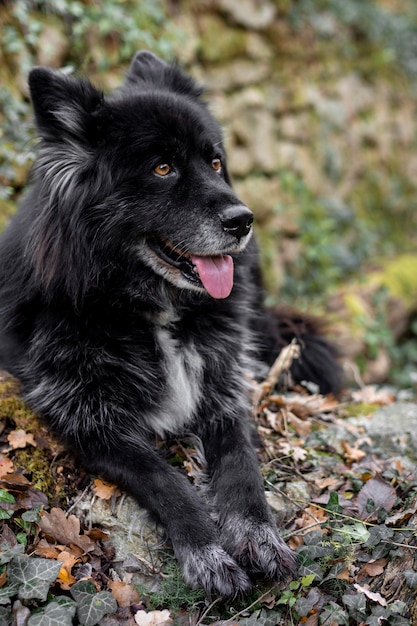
point(216, 274)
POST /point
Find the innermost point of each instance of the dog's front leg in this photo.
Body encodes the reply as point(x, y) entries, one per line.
point(247, 529)
point(171, 500)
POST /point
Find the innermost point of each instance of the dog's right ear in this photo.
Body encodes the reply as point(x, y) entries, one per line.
point(63, 105)
point(146, 69)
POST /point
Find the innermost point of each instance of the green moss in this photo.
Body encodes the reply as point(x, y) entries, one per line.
point(38, 463)
point(356, 410)
point(219, 42)
point(399, 277)
point(12, 406)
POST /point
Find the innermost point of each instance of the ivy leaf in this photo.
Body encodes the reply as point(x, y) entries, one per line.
point(411, 578)
point(9, 552)
point(5, 615)
point(5, 496)
point(91, 606)
point(356, 605)
point(312, 569)
point(333, 505)
point(32, 515)
point(261, 618)
point(356, 531)
point(7, 592)
point(33, 576)
point(334, 614)
point(54, 614)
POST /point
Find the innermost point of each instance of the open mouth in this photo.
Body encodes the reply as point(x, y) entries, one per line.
point(212, 273)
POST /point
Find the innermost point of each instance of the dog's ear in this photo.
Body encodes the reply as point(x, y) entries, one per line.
point(64, 106)
point(144, 64)
point(148, 70)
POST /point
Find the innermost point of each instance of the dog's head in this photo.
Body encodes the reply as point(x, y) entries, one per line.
point(140, 172)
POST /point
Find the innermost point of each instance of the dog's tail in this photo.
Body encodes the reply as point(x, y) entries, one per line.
point(319, 357)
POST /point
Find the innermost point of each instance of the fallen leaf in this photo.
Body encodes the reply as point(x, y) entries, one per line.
point(378, 494)
point(371, 395)
point(65, 531)
point(6, 466)
point(322, 483)
point(20, 439)
point(153, 618)
point(296, 452)
point(375, 597)
point(105, 490)
point(344, 575)
point(352, 454)
point(372, 568)
point(125, 594)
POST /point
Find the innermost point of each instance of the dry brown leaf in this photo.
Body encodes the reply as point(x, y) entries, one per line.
point(96, 534)
point(65, 531)
point(296, 452)
point(6, 466)
point(375, 597)
point(124, 594)
point(344, 575)
point(153, 618)
point(3, 578)
point(372, 568)
point(323, 483)
point(46, 550)
point(371, 395)
point(352, 454)
point(301, 426)
point(105, 490)
point(20, 439)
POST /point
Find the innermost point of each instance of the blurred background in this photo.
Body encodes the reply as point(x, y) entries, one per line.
point(318, 103)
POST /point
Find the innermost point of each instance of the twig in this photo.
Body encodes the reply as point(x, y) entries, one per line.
point(247, 608)
point(281, 364)
point(206, 612)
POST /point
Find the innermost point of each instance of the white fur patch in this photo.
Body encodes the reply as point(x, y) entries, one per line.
point(183, 368)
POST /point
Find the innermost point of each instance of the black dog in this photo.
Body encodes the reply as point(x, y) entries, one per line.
point(130, 306)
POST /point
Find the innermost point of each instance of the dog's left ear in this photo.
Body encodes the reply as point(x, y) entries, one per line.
point(144, 64)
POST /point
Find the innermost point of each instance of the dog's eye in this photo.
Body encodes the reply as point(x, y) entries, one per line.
point(162, 169)
point(216, 164)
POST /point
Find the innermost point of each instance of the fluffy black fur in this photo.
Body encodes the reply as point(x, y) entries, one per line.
point(106, 319)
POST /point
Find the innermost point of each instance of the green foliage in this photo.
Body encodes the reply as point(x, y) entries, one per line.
point(173, 592)
point(392, 33)
point(100, 36)
point(30, 580)
point(331, 249)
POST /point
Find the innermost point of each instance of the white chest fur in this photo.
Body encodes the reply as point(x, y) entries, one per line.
point(181, 387)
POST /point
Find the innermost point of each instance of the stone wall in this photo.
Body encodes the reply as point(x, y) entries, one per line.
point(297, 100)
point(320, 126)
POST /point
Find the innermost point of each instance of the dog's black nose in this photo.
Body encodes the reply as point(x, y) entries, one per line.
point(237, 220)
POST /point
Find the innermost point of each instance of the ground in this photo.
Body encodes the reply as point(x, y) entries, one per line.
point(339, 475)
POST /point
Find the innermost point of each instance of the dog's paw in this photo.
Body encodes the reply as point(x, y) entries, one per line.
point(257, 547)
point(211, 568)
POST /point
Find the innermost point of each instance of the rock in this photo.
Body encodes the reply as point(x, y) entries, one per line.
point(250, 13)
point(220, 43)
point(393, 429)
point(53, 44)
point(127, 524)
